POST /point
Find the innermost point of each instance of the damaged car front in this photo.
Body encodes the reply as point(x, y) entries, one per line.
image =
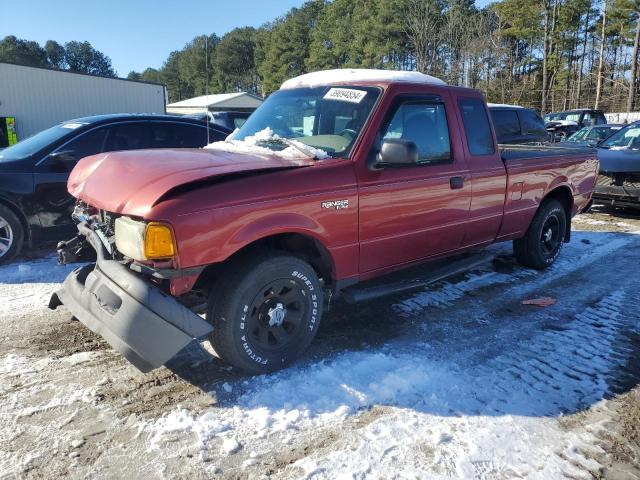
point(121, 296)
point(619, 178)
point(135, 292)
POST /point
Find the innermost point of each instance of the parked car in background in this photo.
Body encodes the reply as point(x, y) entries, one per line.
point(561, 125)
point(619, 179)
point(34, 204)
point(515, 124)
point(227, 121)
point(591, 136)
point(337, 178)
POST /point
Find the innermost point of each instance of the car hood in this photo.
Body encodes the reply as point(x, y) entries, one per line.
point(560, 123)
point(619, 161)
point(131, 182)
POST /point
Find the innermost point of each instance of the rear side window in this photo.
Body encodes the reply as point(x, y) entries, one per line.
point(476, 126)
point(129, 136)
point(600, 118)
point(588, 120)
point(532, 123)
point(506, 123)
point(178, 135)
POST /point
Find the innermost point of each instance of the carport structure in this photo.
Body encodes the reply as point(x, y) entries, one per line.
point(237, 102)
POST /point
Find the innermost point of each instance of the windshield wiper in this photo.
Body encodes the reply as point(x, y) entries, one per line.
point(290, 143)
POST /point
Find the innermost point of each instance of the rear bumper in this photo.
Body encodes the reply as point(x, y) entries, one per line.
point(147, 326)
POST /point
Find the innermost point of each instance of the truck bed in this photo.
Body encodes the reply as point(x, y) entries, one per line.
point(521, 152)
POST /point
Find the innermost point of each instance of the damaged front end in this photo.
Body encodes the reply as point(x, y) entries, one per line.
point(621, 189)
point(129, 310)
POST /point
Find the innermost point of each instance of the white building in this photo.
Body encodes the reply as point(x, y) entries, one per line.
point(39, 98)
point(237, 102)
point(622, 117)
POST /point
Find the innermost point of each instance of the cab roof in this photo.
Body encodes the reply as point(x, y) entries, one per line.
point(358, 75)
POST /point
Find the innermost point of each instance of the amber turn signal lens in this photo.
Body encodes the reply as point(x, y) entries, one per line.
point(158, 241)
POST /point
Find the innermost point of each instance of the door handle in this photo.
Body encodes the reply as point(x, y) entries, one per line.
point(456, 182)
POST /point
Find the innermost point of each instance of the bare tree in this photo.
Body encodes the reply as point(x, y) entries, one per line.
point(422, 27)
point(603, 38)
point(584, 53)
point(547, 47)
point(634, 67)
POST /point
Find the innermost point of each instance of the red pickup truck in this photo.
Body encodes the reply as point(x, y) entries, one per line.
point(339, 177)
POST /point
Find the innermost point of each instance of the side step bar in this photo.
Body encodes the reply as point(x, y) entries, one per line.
point(450, 268)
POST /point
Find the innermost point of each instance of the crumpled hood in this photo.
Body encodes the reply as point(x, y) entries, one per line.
point(619, 161)
point(131, 182)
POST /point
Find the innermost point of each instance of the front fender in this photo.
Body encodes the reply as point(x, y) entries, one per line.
point(275, 224)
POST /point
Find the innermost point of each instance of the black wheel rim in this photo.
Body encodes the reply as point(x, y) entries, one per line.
point(550, 238)
point(276, 316)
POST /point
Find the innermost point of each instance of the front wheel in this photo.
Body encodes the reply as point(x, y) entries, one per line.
point(11, 235)
point(543, 241)
point(265, 313)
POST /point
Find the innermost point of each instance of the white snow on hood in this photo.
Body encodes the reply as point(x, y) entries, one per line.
point(250, 145)
point(341, 75)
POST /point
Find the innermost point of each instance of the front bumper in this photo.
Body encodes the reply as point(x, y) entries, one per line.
point(617, 191)
point(147, 326)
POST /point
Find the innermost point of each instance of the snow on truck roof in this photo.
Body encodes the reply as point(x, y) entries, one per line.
point(341, 75)
point(503, 105)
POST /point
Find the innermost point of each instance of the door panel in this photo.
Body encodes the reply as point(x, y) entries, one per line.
point(412, 212)
point(412, 216)
point(488, 173)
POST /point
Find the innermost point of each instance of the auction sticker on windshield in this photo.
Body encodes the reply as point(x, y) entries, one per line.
point(345, 94)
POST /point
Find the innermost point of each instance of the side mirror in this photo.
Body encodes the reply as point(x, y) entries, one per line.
point(64, 156)
point(64, 160)
point(397, 152)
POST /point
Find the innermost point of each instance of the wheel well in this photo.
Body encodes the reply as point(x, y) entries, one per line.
point(305, 247)
point(23, 220)
point(564, 196)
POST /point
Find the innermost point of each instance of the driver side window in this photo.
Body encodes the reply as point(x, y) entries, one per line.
point(68, 155)
point(424, 124)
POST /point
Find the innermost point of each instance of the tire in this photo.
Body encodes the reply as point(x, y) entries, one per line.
point(265, 311)
point(11, 235)
point(543, 241)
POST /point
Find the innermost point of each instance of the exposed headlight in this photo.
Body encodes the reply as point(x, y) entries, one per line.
point(144, 241)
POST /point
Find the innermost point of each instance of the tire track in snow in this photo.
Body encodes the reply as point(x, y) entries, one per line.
point(573, 365)
point(444, 294)
point(559, 370)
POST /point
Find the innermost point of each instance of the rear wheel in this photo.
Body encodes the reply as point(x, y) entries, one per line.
point(543, 241)
point(11, 235)
point(265, 313)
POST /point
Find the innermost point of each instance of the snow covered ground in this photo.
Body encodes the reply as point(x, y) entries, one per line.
point(458, 381)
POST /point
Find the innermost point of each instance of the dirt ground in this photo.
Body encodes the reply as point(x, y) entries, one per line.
point(458, 381)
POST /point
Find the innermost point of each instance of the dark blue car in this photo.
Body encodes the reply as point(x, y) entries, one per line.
point(619, 179)
point(34, 204)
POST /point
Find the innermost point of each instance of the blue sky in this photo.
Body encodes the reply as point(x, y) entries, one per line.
point(135, 34)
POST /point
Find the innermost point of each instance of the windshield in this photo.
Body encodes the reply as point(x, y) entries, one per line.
point(591, 134)
point(627, 138)
point(579, 135)
point(571, 116)
point(37, 142)
point(328, 119)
